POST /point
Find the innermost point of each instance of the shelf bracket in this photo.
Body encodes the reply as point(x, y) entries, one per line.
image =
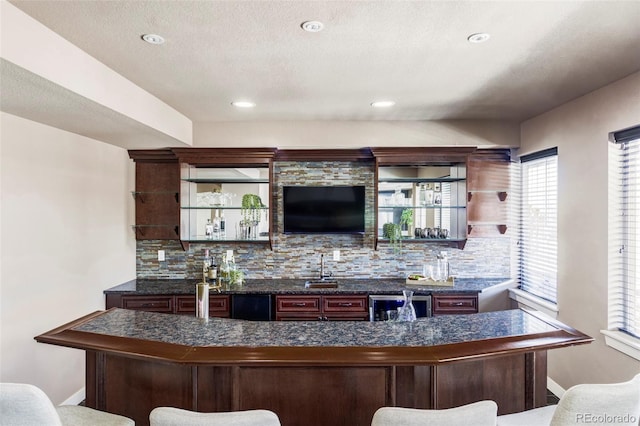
point(502, 195)
point(137, 196)
point(501, 228)
point(137, 230)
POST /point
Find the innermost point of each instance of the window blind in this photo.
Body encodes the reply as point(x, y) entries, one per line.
point(624, 231)
point(443, 216)
point(538, 246)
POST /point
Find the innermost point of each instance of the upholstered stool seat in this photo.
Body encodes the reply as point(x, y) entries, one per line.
point(77, 415)
point(538, 416)
point(482, 413)
point(593, 404)
point(169, 416)
point(23, 404)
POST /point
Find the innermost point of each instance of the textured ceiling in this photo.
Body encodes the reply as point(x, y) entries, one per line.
point(540, 55)
point(55, 106)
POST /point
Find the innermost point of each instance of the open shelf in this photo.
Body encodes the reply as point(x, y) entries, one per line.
point(431, 206)
point(211, 196)
point(420, 180)
point(435, 196)
point(227, 181)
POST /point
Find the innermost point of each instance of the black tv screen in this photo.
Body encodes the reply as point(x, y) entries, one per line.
point(323, 209)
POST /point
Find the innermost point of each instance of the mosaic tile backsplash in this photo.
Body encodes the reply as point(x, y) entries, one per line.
point(298, 256)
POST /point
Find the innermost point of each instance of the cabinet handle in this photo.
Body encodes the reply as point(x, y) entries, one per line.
point(301, 304)
point(147, 305)
point(345, 305)
point(458, 304)
point(320, 318)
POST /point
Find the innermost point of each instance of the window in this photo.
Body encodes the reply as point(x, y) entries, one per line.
point(624, 231)
point(538, 246)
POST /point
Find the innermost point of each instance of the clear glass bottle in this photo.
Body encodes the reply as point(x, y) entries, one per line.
point(206, 260)
point(398, 197)
point(228, 265)
point(212, 274)
point(216, 226)
point(208, 229)
point(407, 312)
point(442, 266)
point(223, 226)
point(422, 195)
point(224, 270)
point(428, 197)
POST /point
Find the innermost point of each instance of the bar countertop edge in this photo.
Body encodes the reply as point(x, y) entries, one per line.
point(415, 346)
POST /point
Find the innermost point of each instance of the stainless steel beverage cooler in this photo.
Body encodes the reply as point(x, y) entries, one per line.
point(384, 307)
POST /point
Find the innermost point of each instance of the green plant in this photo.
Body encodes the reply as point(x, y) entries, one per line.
point(393, 232)
point(251, 208)
point(407, 217)
point(236, 277)
point(387, 230)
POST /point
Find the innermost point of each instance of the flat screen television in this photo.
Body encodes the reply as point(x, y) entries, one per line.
point(323, 209)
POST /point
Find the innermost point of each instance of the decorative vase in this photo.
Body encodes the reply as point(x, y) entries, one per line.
point(407, 312)
point(244, 230)
point(254, 229)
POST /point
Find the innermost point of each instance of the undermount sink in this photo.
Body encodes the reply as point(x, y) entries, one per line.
point(324, 283)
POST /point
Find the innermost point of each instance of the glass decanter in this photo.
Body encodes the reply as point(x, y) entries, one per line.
point(407, 312)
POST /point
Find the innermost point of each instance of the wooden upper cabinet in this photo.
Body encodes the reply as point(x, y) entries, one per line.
point(470, 190)
point(213, 185)
point(225, 157)
point(489, 186)
point(426, 184)
point(167, 199)
point(156, 195)
point(428, 156)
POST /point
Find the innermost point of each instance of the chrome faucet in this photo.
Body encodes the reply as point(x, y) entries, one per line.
point(322, 275)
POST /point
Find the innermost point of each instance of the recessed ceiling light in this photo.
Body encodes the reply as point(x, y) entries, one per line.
point(153, 38)
point(312, 26)
point(382, 104)
point(243, 104)
point(478, 38)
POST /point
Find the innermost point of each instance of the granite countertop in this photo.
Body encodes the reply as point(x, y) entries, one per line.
point(218, 332)
point(296, 286)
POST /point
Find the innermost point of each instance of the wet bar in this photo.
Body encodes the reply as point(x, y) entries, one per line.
point(313, 373)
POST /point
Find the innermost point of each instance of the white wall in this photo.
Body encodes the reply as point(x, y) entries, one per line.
point(579, 129)
point(65, 235)
point(356, 134)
